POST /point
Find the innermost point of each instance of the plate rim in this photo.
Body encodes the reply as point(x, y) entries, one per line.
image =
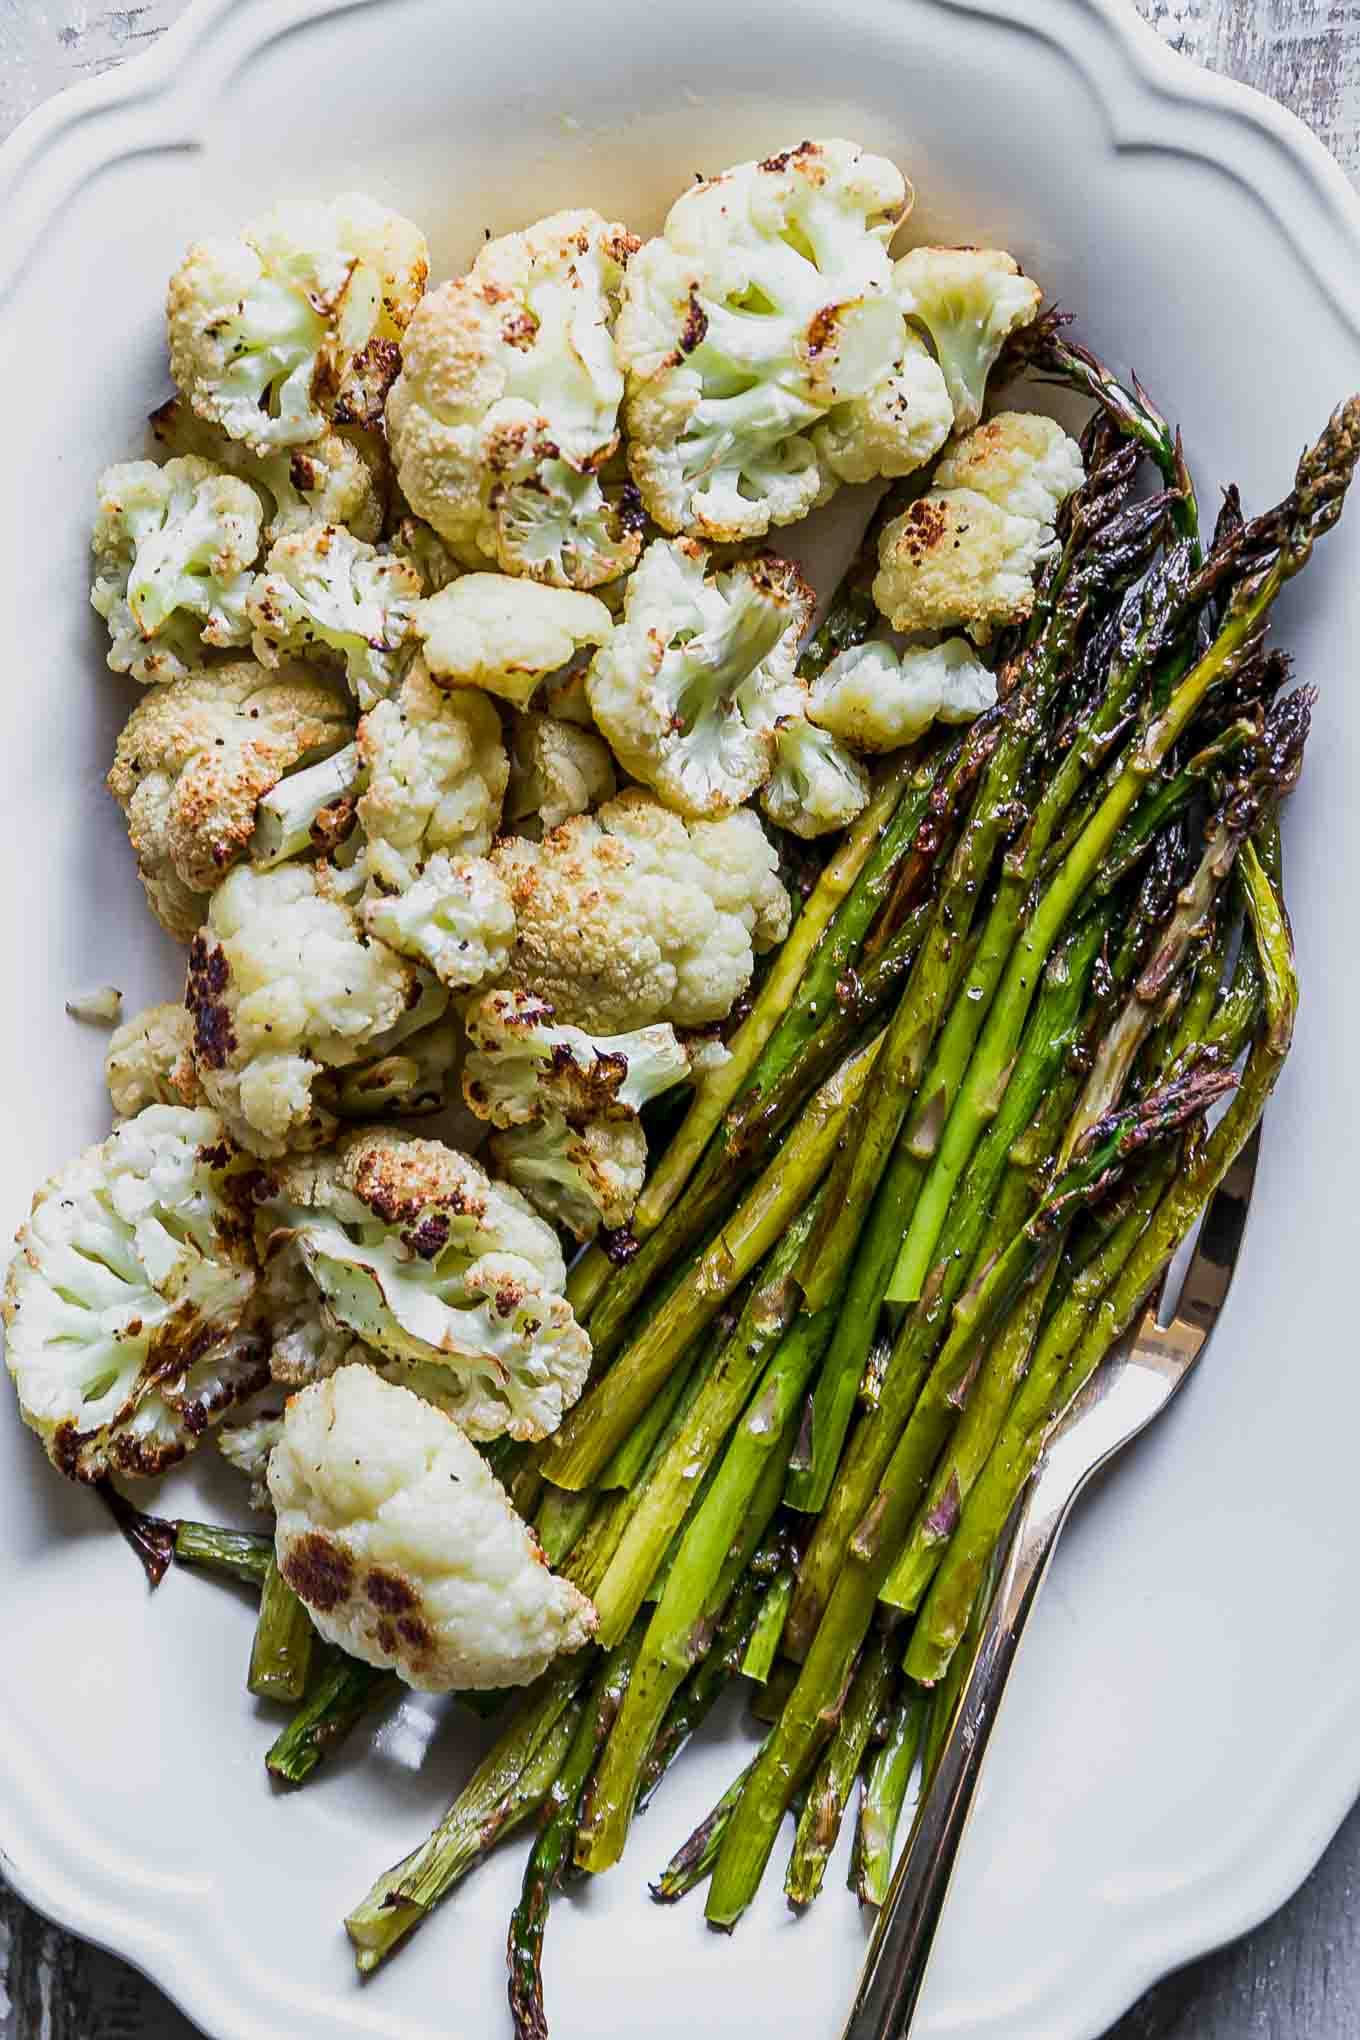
point(81, 130)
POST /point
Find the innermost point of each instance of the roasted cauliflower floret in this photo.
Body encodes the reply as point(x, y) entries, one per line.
point(337, 479)
point(417, 1252)
point(969, 300)
point(507, 405)
point(325, 594)
point(435, 776)
point(403, 1545)
point(193, 762)
point(767, 358)
point(415, 1075)
point(584, 1174)
point(458, 918)
point(966, 552)
point(486, 630)
point(683, 688)
point(1019, 460)
point(173, 551)
point(312, 808)
point(631, 915)
point(283, 984)
point(557, 769)
point(128, 1285)
point(876, 699)
point(297, 324)
point(150, 1061)
point(815, 784)
point(521, 1065)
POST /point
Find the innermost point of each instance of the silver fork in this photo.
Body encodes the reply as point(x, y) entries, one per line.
point(1127, 1391)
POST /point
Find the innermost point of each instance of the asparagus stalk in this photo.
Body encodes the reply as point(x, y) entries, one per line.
point(1254, 564)
point(607, 1412)
point(1052, 1033)
point(1271, 776)
point(152, 1538)
point(694, 1859)
point(551, 1853)
point(990, 1397)
point(560, 1521)
point(507, 1786)
point(788, 1065)
point(813, 1703)
point(820, 1821)
point(730, 1520)
point(698, 1695)
point(671, 1486)
point(763, 1648)
point(1048, 1392)
point(346, 1691)
point(715, 1092)
point(1109, 556)
point(281, 1654)
point(882, 1798)
point(987, 1403)
point(236, 1554)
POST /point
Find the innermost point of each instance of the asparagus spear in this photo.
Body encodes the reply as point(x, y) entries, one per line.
point(1255, 564)
point(508, 1785)
point(882, 1798)
point(1275, 772)
point(763, 1648)
point(671, 1487)
point(803, 1723)
point(606, 1413)
point(1108, 557)
point(1050, 1390)
point(1052, 1033)
point(820, 1821)
point(236, 1554)
point(345, 1692)
point(728, 1523)
point(281, 1654)
point(551, 1853)
point(694, 1859)
point(770, 1091)
point(717, 1090)
point(699, 1693)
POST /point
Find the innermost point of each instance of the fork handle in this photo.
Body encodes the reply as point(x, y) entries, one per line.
point(899, 1950)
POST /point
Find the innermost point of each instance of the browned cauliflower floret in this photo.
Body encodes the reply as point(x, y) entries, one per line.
point(297, 325)
point(507, 636)
point(507, 406)
point(284, 985)
point(632, 915)
point(966, 553)
point(404, 1546)
point(436, 776)
point(584, 1175)
point(340, 478)
point(150, 1061)
point(193, 761)
point(416, 1251)
point(127, 1294)
point(557, 769)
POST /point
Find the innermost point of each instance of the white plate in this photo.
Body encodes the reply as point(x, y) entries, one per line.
point(1184, 1733)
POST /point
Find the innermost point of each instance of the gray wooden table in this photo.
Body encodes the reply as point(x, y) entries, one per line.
point(1298, 1976)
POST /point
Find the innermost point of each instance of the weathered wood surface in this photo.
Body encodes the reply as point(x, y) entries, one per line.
point(1298, 1976)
